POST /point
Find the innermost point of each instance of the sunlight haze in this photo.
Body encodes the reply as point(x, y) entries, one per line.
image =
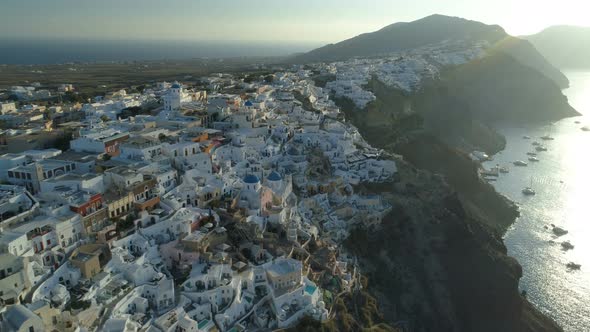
point(305, 20)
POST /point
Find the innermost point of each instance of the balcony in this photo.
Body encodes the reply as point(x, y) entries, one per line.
point(147, 204)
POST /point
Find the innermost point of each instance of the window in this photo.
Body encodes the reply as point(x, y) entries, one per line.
point(17, 175)
point(9, 270)
point(31, 329)
point(28, 176)
point(73, 166)
point(10, 174)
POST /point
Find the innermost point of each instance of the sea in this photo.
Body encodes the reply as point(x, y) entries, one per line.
point(561, 180)
point(48, 51)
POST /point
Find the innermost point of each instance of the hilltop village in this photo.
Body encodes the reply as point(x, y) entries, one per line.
point(221, 209)
point(217, 206)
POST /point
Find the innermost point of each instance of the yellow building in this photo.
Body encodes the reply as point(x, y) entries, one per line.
point(90, 259)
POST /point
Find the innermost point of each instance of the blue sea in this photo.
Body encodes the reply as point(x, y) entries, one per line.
point(561, 180)
point(27, 52)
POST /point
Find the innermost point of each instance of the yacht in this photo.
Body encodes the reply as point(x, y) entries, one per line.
point(541, 148)
point(586, 128)
point(520, 163)
point(504, 170)
point(526, 137)
point(533, 159)
point(547, 138)
point(535, 143)
point(533, 154)
point(528, 191)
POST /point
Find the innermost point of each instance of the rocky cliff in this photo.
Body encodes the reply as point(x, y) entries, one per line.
point(439, 263)
point(435, 266)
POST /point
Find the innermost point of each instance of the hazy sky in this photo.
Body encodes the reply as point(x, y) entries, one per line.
point(265, 20)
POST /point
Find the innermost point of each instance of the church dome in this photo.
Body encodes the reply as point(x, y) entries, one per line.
point(274, 176)
point(251, 179)
point(176, 85)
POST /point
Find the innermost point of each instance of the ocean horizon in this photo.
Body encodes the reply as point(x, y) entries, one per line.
point(57, 51)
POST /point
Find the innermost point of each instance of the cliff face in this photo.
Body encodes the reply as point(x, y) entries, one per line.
point(500, 88)
point(439, 263)
point(461, 107)
point(439, 266)
point(523, 51)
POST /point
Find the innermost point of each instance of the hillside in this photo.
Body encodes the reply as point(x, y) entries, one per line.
point(431, 30)
point(403, 36)
point(564, 46)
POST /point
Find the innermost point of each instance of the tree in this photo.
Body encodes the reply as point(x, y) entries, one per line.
point(248, 79)
point(269, 78)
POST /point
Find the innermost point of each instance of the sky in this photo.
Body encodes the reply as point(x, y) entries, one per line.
point(318, 21)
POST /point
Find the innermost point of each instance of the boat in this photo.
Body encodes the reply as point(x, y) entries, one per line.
point(504, 170)
point(534, 159)
point(534, 154)
point(541, 148)
point(520, 163)
point(547, 138)
point(586, 128)
point(559, 231)
point(526, 137)
point(529, 191)
point(577, 122)
point(481, 156)
point(573, 266)
point(567, 245)
point(491, 172)
point(535, 143)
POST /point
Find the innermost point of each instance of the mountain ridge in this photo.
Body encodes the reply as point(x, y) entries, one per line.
point(402, 36)
point(565, 46)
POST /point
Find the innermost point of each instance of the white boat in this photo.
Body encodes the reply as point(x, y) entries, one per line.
point(535, 143)
point(547, 138)
point(586, 128)
point(526, 137)
point(528, 191)
point(491, 172)
point(504, 170)
point(534, 159)
point(541, 148)
point(520, 163)
point(534, 154)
